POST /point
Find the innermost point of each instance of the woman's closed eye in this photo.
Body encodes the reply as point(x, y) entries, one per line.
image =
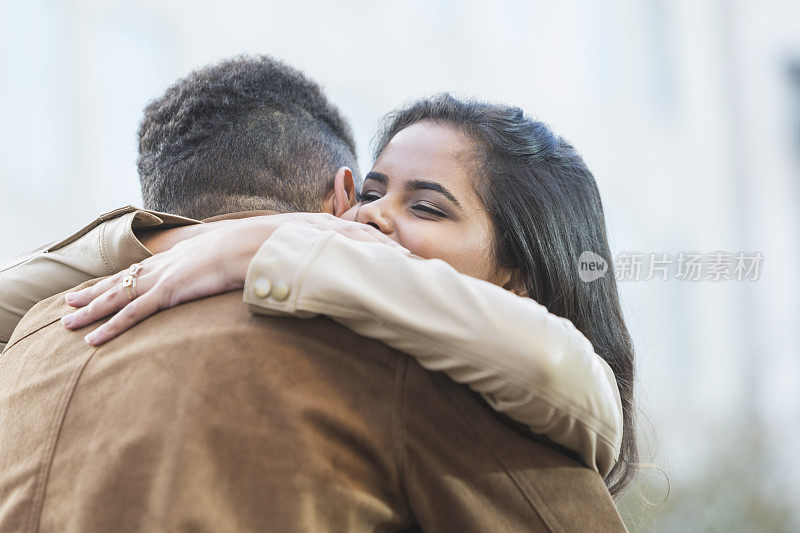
point(429, 209)
point(367, 197)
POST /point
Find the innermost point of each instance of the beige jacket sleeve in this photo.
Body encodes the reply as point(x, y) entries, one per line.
point(526, 362)
point(104, 247)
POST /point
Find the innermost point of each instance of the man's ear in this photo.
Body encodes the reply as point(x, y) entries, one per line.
point(343, 196)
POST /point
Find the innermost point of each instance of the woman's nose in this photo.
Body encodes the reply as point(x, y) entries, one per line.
point(375, 215)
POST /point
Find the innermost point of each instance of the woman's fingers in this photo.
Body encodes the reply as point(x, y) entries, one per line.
point(84, 296)
point(355, 230)
point(190, 270)
point(370, 234)
point(348, 228)
point(114, 298)
point(130, 315)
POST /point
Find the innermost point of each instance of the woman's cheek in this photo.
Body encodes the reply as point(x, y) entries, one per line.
point(465, 250)
point(432, 243)
point(421, 238)
point(416, 244)
point(471, 255)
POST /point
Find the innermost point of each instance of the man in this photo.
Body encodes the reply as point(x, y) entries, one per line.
point(244, 135)
point(212, 419)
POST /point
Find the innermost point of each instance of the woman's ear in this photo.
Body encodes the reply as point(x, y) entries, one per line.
point(344, 191)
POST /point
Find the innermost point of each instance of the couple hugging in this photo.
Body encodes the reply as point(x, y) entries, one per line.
point(415, 351)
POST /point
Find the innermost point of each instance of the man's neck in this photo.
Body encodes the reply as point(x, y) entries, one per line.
point(160, 239)
point(239, 214)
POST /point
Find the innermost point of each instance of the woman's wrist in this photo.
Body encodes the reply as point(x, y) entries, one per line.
point(242, 240)
point(158, 240)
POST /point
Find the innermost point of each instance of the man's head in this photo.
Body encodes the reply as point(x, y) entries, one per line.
point(249, 133)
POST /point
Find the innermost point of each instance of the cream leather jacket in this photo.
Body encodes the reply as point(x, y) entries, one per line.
point(531, 365)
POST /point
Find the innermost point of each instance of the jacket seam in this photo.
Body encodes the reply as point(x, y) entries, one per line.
point(296, 278)
point(43, 474)
point(101, 242)
point(135, 243)
point(130, 240)
point(315, 249)
point(105, 217)
point(399, 441)
point(550, 521)
point(25, 259)
point(38, 328)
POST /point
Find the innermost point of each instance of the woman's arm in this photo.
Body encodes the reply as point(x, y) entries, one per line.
point(106, 246)
point(526, 362)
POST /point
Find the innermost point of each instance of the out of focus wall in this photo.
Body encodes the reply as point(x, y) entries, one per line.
point(687, 112)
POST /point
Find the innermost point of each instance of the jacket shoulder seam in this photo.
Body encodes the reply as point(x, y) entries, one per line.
point(28, 334)
point(549, 519)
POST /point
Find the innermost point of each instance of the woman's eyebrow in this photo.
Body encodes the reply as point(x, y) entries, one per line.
point(415, 185)
point(377, 176)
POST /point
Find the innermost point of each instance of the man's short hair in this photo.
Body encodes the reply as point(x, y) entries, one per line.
point(245, 134)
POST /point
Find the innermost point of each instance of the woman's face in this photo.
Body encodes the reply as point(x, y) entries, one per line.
point(419, 193)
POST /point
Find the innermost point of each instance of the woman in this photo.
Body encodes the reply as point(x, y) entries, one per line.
point(484, 188)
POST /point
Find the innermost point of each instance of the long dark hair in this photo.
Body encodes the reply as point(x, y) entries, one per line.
point(546, 211)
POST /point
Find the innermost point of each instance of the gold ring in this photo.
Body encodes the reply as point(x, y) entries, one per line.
point(129, 281)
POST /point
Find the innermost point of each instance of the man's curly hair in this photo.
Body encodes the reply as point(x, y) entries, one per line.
point(247, 133)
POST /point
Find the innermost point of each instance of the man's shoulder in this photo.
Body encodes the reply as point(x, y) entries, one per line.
point(218, 321)
point(44, 313)
point(225, 319)
point(214, 342)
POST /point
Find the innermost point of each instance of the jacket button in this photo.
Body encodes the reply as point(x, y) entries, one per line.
point(261, 288)
point(280, 291)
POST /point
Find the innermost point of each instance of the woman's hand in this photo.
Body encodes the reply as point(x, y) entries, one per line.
point(214, 261)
